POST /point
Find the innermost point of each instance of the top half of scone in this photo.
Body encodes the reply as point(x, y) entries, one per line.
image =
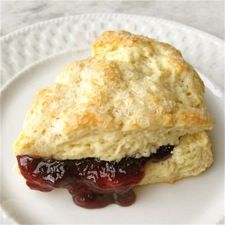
point(133, 95)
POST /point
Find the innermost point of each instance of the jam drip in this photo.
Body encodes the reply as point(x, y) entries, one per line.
point(93, 183)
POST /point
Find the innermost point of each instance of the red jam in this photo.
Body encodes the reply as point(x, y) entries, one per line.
point(93, 183)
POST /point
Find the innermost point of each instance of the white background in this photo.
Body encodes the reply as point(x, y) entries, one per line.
point(204, 15)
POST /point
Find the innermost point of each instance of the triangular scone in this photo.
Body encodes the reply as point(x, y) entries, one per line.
point(132, 96)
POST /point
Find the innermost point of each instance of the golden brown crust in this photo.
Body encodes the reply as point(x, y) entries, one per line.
point(111, 41)
point(131, 86)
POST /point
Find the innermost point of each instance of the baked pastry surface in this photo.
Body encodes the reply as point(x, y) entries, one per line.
point(132, 96)
point(131, 114)
point(190, 157)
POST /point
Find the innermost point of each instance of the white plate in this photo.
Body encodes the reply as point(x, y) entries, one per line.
point(51, 45)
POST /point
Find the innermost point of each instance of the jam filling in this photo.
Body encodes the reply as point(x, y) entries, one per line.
point(93, 183)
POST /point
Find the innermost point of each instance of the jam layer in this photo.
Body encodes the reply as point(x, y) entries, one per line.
point(93, 183)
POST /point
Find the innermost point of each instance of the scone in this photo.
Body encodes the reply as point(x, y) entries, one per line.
point(133, 113)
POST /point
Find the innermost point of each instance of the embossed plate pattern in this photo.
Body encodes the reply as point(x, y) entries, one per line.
point(50, 45)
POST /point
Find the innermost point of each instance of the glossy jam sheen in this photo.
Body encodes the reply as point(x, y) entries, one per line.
point(93, 183)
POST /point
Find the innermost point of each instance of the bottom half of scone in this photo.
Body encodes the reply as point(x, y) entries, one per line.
point(94, 183)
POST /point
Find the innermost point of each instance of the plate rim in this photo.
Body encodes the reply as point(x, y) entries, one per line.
point(19, 31)
point(89, 15)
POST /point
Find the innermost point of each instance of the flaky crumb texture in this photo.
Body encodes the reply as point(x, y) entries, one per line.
point(131, 96)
